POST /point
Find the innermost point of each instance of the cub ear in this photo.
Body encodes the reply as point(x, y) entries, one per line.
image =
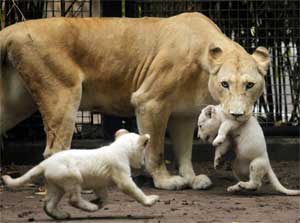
point(120, 132)
point(144, 140)
point(210, 111)
point(215, 53)
point(262, 58)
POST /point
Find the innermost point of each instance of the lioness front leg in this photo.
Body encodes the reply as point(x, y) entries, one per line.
point(152, 118)
point(125, 183)
point(181, 130)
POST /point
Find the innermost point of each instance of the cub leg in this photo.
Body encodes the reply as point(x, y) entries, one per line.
point(257, 170)
point(77, 201)
point(53, 198)
point(224, 129)
point(219, 152)
point(101, 199)
point(127, 185)
point(181, 130)
point(152, 118)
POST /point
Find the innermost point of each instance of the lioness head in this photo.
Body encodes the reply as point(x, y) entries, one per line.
point(237, 79)
point(208, 124)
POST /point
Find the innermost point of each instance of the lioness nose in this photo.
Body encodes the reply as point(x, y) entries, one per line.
point(236, 115)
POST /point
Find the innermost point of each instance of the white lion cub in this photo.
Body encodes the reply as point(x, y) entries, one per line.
point(70, 171)
point(252, 161)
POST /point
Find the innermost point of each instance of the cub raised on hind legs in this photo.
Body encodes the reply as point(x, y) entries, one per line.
point(72, 170)
point(247, 139)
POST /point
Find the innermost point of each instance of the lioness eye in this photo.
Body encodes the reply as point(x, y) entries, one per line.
point(225, 84)
point(249, 85)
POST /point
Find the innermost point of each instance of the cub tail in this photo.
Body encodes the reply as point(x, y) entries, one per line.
point(278, 186)
point(26, 178)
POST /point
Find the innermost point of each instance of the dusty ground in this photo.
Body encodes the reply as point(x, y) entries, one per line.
point(213, 205)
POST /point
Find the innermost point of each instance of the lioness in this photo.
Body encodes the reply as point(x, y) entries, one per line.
point(248, 141)
point(162, 70)
point(69, 171)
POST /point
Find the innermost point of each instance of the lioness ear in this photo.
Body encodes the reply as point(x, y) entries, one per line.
point(210, 111)
point(120, 132)
point(262, 58)
point(214, 53)
point(144, 140)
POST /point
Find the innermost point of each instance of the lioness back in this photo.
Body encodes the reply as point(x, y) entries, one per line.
point(117, 61)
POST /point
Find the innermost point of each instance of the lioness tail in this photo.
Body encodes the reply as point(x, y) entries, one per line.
point(26, 178)
point(278, 186)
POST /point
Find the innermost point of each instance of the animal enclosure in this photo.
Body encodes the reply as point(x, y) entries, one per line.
point(273, 24)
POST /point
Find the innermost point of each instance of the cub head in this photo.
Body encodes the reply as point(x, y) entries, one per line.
point(208, 123)
point(236, 78)
point(135, 144)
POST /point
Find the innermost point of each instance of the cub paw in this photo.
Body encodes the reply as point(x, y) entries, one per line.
point(92, 208)
point(151, 200)
point(233, 188)
point(219, 140)
point(99, 202)
point(247, 186)
point(218, 163)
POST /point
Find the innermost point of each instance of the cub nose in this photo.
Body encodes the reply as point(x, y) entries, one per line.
point(236, 115)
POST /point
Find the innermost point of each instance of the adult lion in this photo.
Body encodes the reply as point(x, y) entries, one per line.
point(161, 70)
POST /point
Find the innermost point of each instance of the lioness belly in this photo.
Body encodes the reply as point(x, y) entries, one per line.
point(111, 101)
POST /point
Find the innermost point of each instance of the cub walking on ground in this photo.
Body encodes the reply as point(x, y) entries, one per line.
point(247, 139)
point(70, 171)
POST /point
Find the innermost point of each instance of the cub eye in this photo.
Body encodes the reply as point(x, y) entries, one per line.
point(249, 85)
point(225, 84)
point(200, 126)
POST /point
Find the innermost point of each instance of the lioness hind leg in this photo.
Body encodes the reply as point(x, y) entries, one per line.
point(53, 198)
point(152, 118)
point(54, 81)
point(181, 130)
point(59, 120)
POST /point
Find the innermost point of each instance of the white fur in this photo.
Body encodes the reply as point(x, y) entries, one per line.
point(70, 171)
point(250, 147)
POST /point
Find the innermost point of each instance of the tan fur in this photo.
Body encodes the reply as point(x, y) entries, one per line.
point(161, 70)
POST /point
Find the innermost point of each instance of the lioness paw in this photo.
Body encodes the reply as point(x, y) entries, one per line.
point(201, 182)
point(218, 140)
point(151, 199)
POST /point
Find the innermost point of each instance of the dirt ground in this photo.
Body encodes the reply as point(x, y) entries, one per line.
point(212, 205)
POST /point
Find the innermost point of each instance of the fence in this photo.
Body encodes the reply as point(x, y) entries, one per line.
point(273, 24)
